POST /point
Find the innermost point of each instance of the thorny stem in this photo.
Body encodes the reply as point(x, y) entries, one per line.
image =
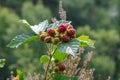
point(47, 69)
point(81, 50)
point(49, 51)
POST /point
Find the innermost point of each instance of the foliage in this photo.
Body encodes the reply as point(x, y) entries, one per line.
point(21, 39)
point(8, 21)
point(44, 58)
point(104, 70)
point(22, 58)
point(101, 35)
point(62, 77)
point(102, 16)
point(2, 63)
point(104, 47)
point(9, 27)
point(59, 56)
point(20, 74)
point(69, 45)
point(95, 13)
point(85, 41)
point(35, 14)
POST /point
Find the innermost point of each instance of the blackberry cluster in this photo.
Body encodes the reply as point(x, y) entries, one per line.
point(63, 33)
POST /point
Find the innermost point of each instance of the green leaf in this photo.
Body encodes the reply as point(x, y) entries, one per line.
point(55, 24)
point(2, 63)
point(69, 47)
point(83, 37)
point(21, 39)
point(44, 59)
point(42, 26)
point(63, 77)
point(83, 44)
point(59, 55)
point(20, 74)
point(25, 23)
point(85, 41)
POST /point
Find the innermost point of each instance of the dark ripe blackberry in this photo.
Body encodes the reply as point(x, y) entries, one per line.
point(61, 67)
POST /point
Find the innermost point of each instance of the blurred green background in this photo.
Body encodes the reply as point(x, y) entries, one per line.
point(100, 19)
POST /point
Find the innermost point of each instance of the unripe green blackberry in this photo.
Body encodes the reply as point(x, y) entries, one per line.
point(42, 36)
point(56, 40)
point(48, 39)
point(40, 32)
point(57, 34)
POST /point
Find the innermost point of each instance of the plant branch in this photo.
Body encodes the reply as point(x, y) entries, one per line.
point(47, 69)
point(49, 51)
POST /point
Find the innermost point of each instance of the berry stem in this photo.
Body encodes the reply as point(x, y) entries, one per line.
point(47, 69)
point(49, 51)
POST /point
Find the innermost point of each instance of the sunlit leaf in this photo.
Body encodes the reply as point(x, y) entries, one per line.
point(85, 41)
point(69, 47)
point(20, 74)
point(2, 62)
point(44, 58)
point(59, 55)
point(21, 39)
point(83, 37)
point(42, 26)
point(55, 24)
point(25, 23)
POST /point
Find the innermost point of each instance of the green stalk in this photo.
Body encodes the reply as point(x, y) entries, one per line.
point(47, 69)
